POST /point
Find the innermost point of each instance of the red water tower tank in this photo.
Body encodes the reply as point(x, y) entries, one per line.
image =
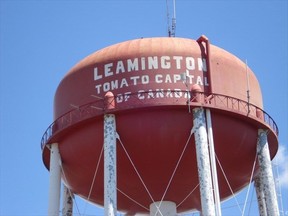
point(151, 80)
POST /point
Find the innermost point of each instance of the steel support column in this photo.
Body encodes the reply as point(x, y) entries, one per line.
point(110, 169)
point(203, 162)
point(55, 181)
point(67, 209)
point(213, 164)
point(260, 195)
point(266, 174)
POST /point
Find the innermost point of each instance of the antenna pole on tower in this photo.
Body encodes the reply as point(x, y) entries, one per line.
point(171, 29)
point(248, 87)
point(174, 19)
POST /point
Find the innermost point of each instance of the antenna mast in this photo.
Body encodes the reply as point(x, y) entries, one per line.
point(171, 30)
point(248, 87)
point(174, 19)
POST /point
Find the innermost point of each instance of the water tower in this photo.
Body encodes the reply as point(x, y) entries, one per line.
point(160, 125)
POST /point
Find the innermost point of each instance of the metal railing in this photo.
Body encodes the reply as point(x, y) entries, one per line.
point(158, 98)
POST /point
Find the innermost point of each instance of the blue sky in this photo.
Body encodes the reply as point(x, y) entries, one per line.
point(41, 40)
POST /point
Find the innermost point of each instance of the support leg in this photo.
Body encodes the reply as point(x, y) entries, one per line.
point(203, 162)
point(213, 164)
point(67, 209)
point(55, 181)
point(260, 196)
point(266, 174)
point(110, 191)
point(110, 169)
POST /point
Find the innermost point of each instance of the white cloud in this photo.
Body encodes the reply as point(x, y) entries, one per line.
point(281, 160)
